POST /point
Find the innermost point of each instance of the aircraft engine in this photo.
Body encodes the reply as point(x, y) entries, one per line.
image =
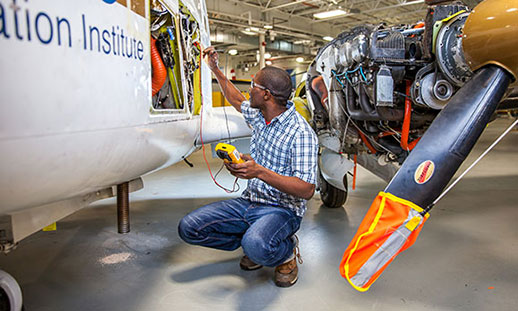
point(377, 89)
point(378, 78)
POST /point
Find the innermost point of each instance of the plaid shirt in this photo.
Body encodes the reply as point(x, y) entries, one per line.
point(287, 146)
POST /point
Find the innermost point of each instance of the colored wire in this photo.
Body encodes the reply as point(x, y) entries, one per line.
point(201, 139)
point(354, 174)
point(340, 82)
point(339, 74)
point(363, 75)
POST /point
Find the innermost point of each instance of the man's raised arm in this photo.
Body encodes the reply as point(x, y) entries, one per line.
point(230, 91)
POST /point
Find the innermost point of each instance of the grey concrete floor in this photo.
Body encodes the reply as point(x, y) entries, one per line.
point(466, 257)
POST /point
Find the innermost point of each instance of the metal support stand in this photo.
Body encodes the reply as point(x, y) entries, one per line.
point(123, 208)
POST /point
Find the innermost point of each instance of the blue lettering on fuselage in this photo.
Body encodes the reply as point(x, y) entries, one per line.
point(18, 22)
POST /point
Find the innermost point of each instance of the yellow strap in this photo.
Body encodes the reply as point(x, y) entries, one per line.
point(404, 202)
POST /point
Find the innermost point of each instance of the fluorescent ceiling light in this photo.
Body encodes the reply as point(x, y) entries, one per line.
point(232, 52)
point(267, 55)
point(305, 42)
point(412, 2)
point(328, 38)
point(268, 27)
point(329, 14)
point(249, 32)
point(299, 59)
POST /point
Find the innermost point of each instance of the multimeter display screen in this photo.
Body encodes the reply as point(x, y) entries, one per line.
point(223, 155)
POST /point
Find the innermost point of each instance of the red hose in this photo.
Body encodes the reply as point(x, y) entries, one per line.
point(413, 143)
point(354, 174)
point(406, 121)
point(385, 134)
point(367, 143)
point(159, 70)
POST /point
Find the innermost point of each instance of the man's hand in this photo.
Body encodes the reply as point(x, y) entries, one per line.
point(247, 170)
point(230, 91)
point(287, 184)
point(211, 57)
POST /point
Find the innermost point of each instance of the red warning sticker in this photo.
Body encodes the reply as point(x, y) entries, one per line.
point(424, 172)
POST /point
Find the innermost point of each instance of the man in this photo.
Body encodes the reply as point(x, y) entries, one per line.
point(281, 177)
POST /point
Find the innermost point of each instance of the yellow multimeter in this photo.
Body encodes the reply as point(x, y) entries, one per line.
point(228, 153)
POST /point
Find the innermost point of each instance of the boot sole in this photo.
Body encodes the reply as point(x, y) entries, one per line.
point(286, 284)
point(252, 268)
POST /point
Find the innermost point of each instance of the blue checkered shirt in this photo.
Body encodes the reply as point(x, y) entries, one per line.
point(287, 146)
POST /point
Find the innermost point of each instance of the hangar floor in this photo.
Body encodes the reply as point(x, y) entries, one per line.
point(466, 257)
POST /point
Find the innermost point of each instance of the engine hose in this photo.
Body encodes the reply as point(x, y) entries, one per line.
point(367, 143)
point(366, 111)
point(159, 70)
point(365, 103)
point(356, 114)
point(406, 121)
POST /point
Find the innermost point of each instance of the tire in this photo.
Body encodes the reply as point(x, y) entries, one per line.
point(331, 196)
point(10, 293)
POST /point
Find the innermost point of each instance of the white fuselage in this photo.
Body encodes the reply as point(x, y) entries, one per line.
point(76, 113)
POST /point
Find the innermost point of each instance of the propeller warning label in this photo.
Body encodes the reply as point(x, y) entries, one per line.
point(424, 172)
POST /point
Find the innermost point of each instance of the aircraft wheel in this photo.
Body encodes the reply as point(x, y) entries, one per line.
point(10, 293)
point(331, 196)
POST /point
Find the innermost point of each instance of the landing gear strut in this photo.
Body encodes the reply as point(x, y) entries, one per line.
point(331, 196)
point(123, 222)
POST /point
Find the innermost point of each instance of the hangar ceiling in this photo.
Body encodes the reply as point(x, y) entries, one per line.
point(290, 26)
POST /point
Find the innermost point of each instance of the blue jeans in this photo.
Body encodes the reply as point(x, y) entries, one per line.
point(264, 231)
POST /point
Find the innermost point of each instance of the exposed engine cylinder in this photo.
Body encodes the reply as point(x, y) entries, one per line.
point(352, 51)
point(388, 84)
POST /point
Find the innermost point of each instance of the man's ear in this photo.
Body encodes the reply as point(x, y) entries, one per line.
point(268, 95)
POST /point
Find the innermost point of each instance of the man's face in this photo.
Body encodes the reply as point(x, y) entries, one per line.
point(257, 92)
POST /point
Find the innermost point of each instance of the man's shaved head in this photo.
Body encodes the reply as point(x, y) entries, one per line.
point(278, 81)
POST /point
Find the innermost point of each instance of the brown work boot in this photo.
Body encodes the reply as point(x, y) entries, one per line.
point(286, 274)
point(248, 265)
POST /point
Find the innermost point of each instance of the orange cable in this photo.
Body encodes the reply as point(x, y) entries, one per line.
point(201, 136)
point(354, 172)
point(367, 143)
point(406, 121)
